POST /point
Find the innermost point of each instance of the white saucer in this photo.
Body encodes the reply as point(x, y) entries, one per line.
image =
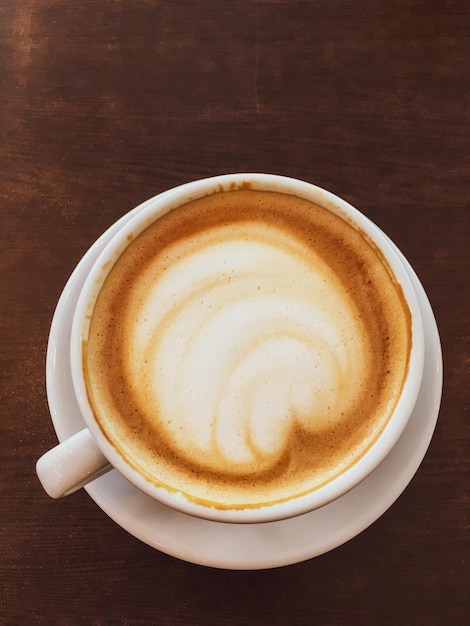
point(250, 546)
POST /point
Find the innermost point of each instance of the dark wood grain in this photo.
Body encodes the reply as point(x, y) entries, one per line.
point(104, 104)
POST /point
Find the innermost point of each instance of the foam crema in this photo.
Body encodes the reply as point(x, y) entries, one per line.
point(246, 348)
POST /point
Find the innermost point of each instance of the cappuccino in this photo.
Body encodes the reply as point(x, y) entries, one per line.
point(246, 348)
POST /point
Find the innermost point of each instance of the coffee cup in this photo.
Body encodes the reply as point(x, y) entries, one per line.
point(246, 348)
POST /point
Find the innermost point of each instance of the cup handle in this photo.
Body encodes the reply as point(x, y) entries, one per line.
point(72, 464)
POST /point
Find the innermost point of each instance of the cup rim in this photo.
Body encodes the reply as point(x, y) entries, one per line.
point(156, 207)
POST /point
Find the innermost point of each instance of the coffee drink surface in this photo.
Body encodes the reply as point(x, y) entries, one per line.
point(246, 348)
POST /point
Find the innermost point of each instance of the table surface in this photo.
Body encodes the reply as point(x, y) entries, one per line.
point(105, 104)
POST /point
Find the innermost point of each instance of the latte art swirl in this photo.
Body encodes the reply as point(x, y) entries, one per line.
point(246, 348)
point(238, 343)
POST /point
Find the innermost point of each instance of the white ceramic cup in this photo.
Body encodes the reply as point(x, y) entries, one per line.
point(88, 454)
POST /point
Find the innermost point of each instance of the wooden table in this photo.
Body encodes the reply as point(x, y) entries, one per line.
point(105, 104)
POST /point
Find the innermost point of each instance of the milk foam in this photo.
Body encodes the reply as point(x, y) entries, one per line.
point(245, 348)
point(244, 338)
